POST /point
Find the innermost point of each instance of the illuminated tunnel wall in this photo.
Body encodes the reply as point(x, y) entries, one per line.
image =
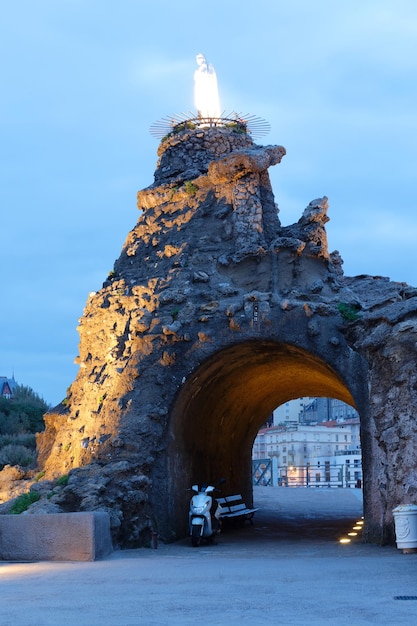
point(224, 403)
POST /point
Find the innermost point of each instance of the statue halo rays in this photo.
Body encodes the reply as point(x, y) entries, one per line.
point(209, 113)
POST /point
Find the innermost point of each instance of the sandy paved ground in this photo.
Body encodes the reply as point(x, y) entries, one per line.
point(287, 569)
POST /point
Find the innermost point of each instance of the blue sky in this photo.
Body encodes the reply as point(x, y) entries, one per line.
point(83, 80)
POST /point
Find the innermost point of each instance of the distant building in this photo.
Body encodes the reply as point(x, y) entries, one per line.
point(289, 413)
point(7, 387)
point(317, 410)
point(297, 445)
point(326, 409)
point(327, 453)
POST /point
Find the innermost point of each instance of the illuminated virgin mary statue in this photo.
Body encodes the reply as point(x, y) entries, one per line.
point(206, 94)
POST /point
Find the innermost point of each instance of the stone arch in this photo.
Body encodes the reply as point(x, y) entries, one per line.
point(225, 401)
point(210, 291)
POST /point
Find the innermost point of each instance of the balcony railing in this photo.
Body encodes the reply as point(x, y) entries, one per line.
point(350, 452)
point(267, 472)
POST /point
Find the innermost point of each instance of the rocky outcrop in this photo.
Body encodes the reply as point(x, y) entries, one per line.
point(214, 314)
point(386, 335)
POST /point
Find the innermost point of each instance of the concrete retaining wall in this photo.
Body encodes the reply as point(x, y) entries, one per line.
point(55, 537)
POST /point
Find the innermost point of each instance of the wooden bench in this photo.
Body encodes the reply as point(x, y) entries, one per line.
point(234, 507)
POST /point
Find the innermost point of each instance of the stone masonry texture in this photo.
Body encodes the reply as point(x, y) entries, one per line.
point(213, 315)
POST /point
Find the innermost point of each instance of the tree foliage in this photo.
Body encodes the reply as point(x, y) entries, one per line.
point(23, 413)
point(16, 455)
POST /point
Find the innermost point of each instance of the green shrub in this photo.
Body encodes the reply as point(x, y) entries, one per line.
point(188, 125)
point(23, 502)
point(237, 127)
point(16, 455)
point(63, 480)
point(173, 192)
point(23, 439)
point(184, 126)
point(27, 439)
point(349, 312)
point(23, 413)
point(190, 187)
point(6, 440)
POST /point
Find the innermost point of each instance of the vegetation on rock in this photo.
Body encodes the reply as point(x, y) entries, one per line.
point(20, 418)
point(190, 187)
point(349, 312)
point(23, 502)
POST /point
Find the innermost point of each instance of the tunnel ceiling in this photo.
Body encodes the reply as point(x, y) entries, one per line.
point(233, 393)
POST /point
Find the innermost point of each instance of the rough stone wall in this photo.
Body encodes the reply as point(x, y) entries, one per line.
point(208, 292)
point(186, 155)
point(168, 283)
point(386, 335)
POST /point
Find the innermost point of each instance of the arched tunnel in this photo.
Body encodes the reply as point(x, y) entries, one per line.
point(223, 404)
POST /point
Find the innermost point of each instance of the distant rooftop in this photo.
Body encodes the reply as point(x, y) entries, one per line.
point(7, 386)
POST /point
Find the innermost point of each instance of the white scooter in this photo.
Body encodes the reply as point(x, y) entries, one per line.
point(202, 526)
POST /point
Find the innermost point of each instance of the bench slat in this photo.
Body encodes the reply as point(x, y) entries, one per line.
point(233, 498)
point(247, 513)
point(238, 507)
point(233, 506)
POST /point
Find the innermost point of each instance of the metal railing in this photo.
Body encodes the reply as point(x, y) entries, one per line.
point(262, 472)
point(247, 123)
point(267, 472)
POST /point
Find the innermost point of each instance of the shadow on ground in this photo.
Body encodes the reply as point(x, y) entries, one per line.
point(299, 514)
